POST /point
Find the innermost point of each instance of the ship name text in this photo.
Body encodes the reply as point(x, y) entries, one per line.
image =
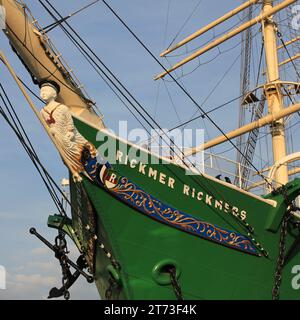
point(186, 190)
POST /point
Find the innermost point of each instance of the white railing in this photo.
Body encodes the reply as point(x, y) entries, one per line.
point(221, 167)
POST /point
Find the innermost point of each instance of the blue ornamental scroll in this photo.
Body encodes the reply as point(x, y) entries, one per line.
point(131, 194)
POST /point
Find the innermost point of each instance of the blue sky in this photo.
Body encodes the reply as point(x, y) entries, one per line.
point(31, 268)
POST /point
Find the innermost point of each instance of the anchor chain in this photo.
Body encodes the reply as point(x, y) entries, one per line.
point(65, 272)
point(112, 285)
point(87, 227)
point(62, 251)
point(108, 254)
point(175, 284)
point(281, 257)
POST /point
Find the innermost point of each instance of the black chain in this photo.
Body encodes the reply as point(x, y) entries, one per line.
point(109, 291)
point(113, 261)
point(281, 257)
point(65, 272)
point(61, 245)
point(108, 254)
point(175, 284)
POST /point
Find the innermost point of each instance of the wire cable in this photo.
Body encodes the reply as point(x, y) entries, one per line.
point(182, 88)
point(20, 132)
point(55, 24)
point(145, 111)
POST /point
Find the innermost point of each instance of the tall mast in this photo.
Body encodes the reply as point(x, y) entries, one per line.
point(273, 93)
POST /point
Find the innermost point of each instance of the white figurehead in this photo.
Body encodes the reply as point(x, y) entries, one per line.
point(49, 92)
point(59, 120)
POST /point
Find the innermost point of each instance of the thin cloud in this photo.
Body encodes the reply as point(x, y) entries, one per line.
point(40, 251)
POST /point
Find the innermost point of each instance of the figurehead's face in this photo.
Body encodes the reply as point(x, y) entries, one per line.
point(48, 93)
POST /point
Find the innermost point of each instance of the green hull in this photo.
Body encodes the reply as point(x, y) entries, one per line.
point(141, 245)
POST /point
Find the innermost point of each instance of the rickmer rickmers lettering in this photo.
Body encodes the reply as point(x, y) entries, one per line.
point(188, 191)
point(131, 194)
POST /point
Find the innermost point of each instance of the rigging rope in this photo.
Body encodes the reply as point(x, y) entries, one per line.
point(167, 23)
point(16, 125)
point(98, 65)
point(205, 187)
point(182, 88)
point(200, 64)
point(246, 52)
point(31, 91)
point(19, 130)
point(42, 65)
point(211, 39)
point(185, 23)
point(106, 73)
point(288, 53)
point(184, 124)
point(94, 65)
point(49, 182)
point(203, 112)
point(55, 24)
point(106, 68)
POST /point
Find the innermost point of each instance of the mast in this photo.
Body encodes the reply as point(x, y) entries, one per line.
point(273, 93)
